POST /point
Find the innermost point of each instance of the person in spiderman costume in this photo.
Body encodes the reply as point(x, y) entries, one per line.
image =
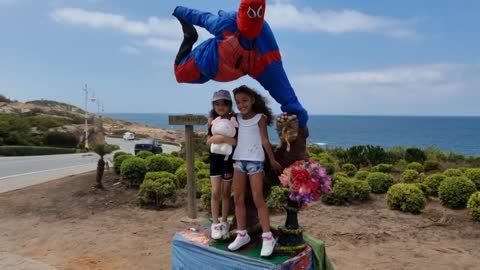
point(243, 44)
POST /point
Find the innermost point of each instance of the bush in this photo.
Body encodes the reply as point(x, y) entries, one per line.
point(379, 182)
point(357, 155)
point(156, 188)
point(424, 188)
point(473, 205)
point(406, 198)
point(314, 149)
point(60, 139)
point(181, 176)
point(176, 163)
point(159, 164)
point(117, 162)
point(474, 175)
point(277, 198)
point(376, 154)
point(203, 185)
point(434, 154)
point(199, 165)
point(144, 154)
point(396, 153)
point(326, 158)
point(342, 193)
point(203, 173)
point(415, 166)
point(119, 153)
point(361, 190)
point(453, 172)
point(350, 169)
point(337, 176)
point(431, 165)
point(455, 191)
point(415, 155)
point(455, 158)
point(206, 198)
point(133, 169)
point(329, 167)
point(385, 168)
point(362, 175)
point(433, 181)
point(400, 166)
point(18, 150)
point(409, 176)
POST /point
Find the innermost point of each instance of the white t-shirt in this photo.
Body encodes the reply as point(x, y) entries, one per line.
point(249, 142)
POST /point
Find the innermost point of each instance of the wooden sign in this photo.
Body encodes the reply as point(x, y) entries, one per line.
point(187, 120)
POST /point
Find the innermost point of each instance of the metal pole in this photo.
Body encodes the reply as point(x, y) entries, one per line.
point(192, 208)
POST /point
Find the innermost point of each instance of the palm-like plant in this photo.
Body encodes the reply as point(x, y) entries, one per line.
point(101, 150)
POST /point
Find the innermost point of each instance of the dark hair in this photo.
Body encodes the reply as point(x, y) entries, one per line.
point(260, 105)
point(213, 114)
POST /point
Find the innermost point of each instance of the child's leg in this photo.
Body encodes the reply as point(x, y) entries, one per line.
point(256, 184)
point(226, 192)
point(239, 184)
point(215, 200)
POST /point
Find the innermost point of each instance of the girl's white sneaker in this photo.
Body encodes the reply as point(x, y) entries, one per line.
point(240, 241)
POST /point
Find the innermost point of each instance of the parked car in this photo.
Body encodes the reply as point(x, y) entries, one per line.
point(128, 136)
point(152, 145)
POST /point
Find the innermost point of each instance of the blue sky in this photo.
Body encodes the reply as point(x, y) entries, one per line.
point(342, 57)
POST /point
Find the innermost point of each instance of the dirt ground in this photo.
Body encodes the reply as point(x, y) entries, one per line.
point(68, 225)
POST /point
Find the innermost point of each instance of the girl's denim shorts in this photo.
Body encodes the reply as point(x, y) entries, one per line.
point(248, 167)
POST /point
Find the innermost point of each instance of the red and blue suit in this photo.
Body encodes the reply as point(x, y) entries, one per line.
point(243, 44)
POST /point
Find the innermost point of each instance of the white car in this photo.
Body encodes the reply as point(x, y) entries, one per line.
point(128, 136)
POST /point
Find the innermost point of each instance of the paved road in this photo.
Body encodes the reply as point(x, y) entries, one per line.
point(20, 172)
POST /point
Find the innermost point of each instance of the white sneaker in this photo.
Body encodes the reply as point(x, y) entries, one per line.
point(225, 229)
point(240, 241)
point(216, 231)
point(267, 246)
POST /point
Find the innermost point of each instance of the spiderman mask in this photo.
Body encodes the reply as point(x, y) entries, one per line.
point(250, 18)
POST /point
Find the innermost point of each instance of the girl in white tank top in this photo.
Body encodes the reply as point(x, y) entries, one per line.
point(249, 155)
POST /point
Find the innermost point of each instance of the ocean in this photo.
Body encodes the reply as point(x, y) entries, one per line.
point(456, 134)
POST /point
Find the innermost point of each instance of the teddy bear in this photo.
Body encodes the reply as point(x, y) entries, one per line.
point(225, 127)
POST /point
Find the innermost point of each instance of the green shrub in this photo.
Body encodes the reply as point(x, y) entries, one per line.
point(206, 198)
point(277, 198)
point(117, 162)
point(362, 175)
point(203, 185)
point(455, 191)
point(474, 175)
point(314, 149)
point(361, 190)
point(181, 176)
point(199, 165)
point(409, 176)
point(203, 173)
point(415, 166)
point(400, 166)
point(133, 169)
point(385, 168)
point(455, 158)
point(434, 153)
point(394, 154)
point(176, 163)
point(118, 153)
point(433, 181)
point(431, 165)
point(329, 167)
point(18, 150)
point(406, 198)
point(415, 155)
point(326, 158)
point(159, 164)
point(379, 182)
point(341, 194)
point(144, 154)
point(376, 154)
point(424, 188)
point(357, 155)
point(473, 205)
point(337, 176)
point(60, 139)
point(156, 189)
point(350, 169)
point(453, 172)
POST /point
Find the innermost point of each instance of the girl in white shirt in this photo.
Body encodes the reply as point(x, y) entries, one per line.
point(249, 156)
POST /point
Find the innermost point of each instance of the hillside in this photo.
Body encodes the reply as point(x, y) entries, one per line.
point(71, 119)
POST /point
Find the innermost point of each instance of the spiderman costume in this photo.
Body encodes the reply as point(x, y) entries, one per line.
point(243, 44)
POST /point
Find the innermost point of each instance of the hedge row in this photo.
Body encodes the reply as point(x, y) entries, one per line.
point(18, 150)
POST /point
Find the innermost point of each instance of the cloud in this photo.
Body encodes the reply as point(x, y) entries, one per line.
point(102, 20)
point(168, 45)
point(433, 89)
point(130, 50)
point(287, 16)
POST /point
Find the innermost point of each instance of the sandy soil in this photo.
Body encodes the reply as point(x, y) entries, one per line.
point(68, 225)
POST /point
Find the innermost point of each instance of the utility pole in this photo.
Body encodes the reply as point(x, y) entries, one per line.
point(85, 89)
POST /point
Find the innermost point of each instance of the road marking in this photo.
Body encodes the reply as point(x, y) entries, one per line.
point(50, 170)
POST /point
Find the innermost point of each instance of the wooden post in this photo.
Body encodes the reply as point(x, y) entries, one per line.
point(189, 120)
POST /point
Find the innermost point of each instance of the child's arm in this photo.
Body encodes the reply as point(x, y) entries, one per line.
point(209, 135)
point(266, 145)
point(222, 139)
